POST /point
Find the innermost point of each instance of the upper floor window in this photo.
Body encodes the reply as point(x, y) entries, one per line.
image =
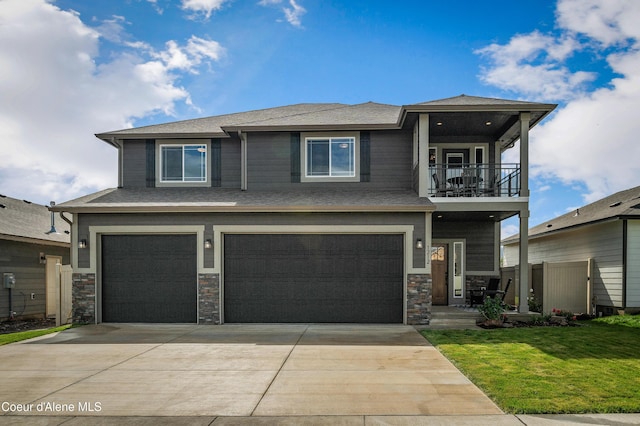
point(182, 163)
point(333, 158)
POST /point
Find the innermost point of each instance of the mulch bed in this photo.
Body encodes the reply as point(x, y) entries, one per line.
point(13, 326)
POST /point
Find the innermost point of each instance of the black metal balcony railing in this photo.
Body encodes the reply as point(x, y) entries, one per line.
point(474, 180)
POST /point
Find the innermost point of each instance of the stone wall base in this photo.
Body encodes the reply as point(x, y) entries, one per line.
point(208, 299)
point(419, 288)
point(83, 298)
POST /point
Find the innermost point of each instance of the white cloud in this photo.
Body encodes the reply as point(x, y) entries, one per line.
point(532, 64)
point(155, 5)
point(292, 14)
point(592, 138)
point(55, 97)
point(206, 7)
point(607, 22)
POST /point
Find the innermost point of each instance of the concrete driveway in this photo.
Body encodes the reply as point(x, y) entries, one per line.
point(234, 370)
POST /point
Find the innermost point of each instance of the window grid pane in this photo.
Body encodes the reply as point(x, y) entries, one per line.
point(331, 157)
point(318, 158)
point(184, 163)
point(172, 163)
point(342, 157)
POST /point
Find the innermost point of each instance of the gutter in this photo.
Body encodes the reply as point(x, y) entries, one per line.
point(168, 208)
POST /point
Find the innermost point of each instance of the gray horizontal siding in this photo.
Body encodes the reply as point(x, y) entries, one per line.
point(633, 264)
point(134, 167)
point(269, 163)
point(480, 242)
point(23, 260)
point(600, 242)
point(391, 160)
point(230, 154)
point(417, 220)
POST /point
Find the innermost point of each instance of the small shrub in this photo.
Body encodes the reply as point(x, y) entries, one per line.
point(570, 316)
point(491, 308)
point(534, 304)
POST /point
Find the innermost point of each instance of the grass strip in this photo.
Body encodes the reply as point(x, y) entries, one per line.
point(594, 368)
point(24, 335)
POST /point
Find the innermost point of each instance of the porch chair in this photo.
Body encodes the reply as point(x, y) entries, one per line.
point(440, 190)
point(493, 288)
point(490, 189)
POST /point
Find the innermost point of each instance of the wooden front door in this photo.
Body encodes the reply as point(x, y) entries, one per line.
point(439, 274)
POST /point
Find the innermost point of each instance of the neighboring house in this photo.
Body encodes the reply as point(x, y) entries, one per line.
point(608, 233)
point(29, 252)
point(303, 213)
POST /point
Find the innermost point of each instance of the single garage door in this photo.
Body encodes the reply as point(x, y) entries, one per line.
point(351, 278)
point(149, 278)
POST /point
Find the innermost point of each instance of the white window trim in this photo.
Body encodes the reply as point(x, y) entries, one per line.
point(182, 142)
point(303, 157)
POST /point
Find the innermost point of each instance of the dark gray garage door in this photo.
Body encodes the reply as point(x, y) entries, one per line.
point(313, 278)
point(149, 278)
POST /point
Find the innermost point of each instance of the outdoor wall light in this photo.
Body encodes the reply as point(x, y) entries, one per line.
point(82, 244)
point(419, 244)
point(207, 244)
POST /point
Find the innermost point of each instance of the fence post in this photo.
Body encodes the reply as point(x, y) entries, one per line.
point(589, 286)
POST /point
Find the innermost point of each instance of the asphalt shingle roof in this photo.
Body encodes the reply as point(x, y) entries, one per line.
point(619, 205)
point(313, 115)
point(24, 219)
point(218, 199)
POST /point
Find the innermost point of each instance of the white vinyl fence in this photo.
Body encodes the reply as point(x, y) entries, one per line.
point(562, 285)
point(63, 294)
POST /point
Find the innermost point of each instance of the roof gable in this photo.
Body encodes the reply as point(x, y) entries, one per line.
point(621, 204)
point(465, 100)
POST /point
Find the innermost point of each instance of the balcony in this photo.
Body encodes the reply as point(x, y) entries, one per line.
point(474, 180)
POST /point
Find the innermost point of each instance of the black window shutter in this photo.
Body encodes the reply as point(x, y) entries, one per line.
point(365, 157)
point(216, 163)
point(151, 163)
point(295, 157)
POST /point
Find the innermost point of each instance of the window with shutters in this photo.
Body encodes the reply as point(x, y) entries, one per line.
point(331, 157)
point(183, 163)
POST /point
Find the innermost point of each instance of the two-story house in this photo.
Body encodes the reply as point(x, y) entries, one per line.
point(363, 213)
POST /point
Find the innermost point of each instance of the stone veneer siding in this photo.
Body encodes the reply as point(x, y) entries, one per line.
point(208, 299)
point(83, 298)
point(418, 299)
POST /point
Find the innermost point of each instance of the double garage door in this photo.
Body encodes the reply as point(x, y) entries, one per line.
point(268, 278)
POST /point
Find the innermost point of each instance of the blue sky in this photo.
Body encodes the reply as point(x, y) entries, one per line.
point(72, 68)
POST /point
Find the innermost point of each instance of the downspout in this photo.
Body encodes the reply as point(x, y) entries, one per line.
point(115, 143)
point(73, 253)
point(243, 160)
point(65, 219)
point(624, 264)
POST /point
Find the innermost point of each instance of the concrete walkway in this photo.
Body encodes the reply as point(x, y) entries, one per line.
point(244, 374)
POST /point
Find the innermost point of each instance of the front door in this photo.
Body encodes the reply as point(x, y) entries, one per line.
point(439, 274)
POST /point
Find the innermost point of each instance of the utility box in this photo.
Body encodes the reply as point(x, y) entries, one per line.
point(9, 280)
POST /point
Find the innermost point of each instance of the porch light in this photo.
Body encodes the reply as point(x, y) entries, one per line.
point(207, 244)
point(439, 123)
point(419, 244)
point(82, 244)
point(488, 123)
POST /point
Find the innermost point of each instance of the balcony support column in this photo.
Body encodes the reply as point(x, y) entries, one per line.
point(525, 118)
point(523, 273)
point(423, 156)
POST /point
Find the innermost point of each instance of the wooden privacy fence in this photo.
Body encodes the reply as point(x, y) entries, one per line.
point(63, 294)
point(562, 285)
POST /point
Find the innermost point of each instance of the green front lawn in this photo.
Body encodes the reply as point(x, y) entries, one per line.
point(24, 335)
point(590, 369)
